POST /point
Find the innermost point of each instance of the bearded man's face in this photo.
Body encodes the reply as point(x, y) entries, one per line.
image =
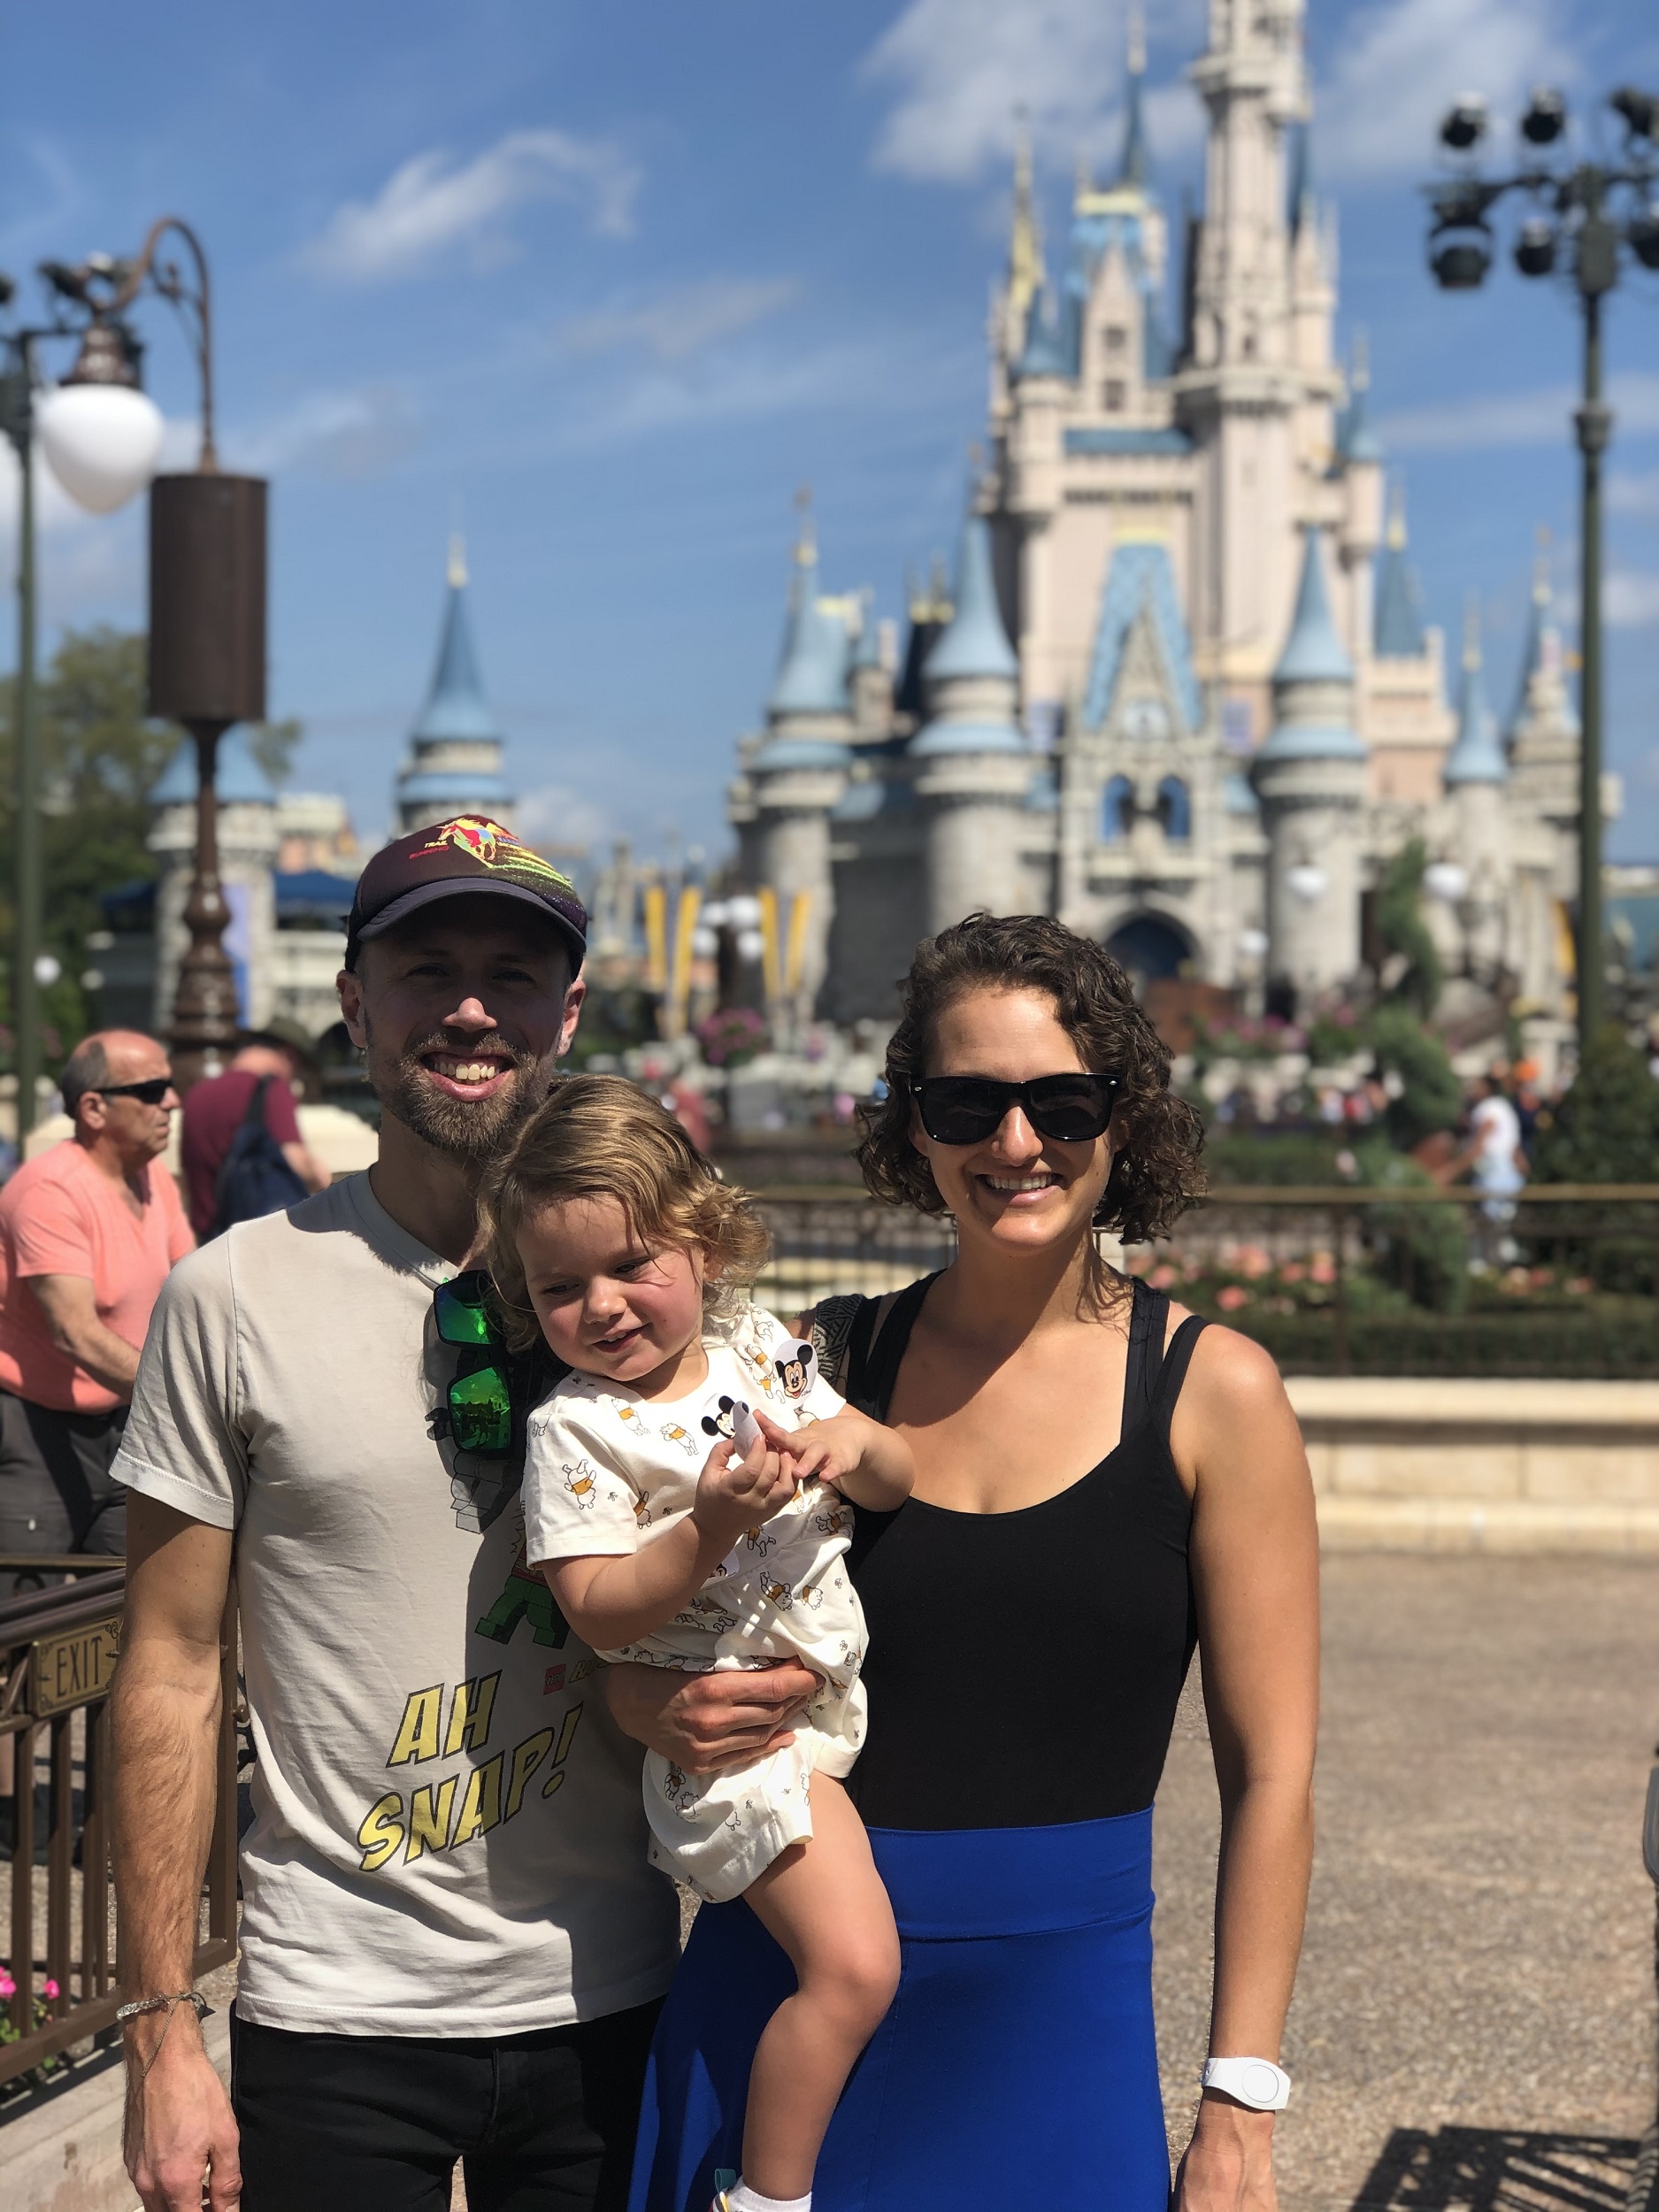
point(463, 1012)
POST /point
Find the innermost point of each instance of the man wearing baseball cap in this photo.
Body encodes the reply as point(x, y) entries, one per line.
point(451, 1944)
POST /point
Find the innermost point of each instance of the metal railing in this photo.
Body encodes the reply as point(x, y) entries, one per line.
point(829, 1238)
point(58, 1652)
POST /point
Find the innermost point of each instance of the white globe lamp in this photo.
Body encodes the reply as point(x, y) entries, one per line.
point(1445, 880)
point(102, 441)
point(1307, 881)
point(750, 944)
point(1253, 943)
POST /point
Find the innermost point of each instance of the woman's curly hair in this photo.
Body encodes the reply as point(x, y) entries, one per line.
point(595, 1136)
point(1157, 1169)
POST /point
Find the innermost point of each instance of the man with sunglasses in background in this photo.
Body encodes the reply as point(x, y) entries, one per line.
point(452, 1944)
point(89, 1230)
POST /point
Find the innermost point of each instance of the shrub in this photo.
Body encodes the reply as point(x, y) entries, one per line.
point(1606, 1129)
point(1430, 1096)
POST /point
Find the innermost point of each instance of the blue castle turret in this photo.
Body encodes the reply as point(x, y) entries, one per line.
point(454, 765)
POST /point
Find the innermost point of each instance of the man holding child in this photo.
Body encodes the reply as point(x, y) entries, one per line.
point(452, 1944)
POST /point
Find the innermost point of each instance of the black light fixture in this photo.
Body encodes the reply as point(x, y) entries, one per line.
point(1598, 206)
point(1546, 117)
point(1465, 123)
point(1640, 109)
point(1643, 234)
point(1535, 248)
point(1460, 262)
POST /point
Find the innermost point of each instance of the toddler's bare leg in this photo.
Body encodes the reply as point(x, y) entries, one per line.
point(824, 1902)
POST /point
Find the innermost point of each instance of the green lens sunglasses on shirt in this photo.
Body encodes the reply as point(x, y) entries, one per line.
point(479, 1397)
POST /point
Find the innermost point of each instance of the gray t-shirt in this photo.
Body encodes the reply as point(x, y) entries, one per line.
point(448, 1836)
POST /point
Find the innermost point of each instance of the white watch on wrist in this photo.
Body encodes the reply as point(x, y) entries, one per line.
point(1256, 2082)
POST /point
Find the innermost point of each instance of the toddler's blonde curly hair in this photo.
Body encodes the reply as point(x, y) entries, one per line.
point(596, 1136)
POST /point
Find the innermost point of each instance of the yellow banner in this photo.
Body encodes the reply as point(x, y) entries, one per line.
point(679, 981)
point(800, 914)
point(655, 938)
point(770, 964)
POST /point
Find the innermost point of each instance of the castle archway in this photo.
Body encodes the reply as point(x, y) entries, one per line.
point(1151, 947)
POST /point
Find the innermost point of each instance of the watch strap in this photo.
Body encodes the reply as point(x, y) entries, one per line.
point(1256, 2082)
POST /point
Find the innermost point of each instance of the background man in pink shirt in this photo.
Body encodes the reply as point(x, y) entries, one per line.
point(88, 1233)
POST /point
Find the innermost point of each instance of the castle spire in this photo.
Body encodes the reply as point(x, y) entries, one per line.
point(1476, 755)
point(455, 745)
point(1397, 630)
point(1025, 271)
point(1357, 440)
point(1132, 168)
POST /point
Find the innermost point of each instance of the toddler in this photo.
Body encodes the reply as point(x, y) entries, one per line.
point(685, 1494)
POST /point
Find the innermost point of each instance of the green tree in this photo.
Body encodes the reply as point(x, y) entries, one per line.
point(1401, 926)
point(101, 755)
point(1606, 1129)
point(1430, 1096)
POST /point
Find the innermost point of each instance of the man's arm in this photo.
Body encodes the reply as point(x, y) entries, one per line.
point(708, 1722)
point(164, 1711)
point(312, 1173)
point(71, 1313)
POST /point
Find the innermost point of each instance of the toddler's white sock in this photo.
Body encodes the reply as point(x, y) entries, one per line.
point(743, 2198)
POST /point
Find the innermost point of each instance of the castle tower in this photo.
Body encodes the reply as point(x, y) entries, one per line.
point(970, 760)
point(1310, 779)
point(794, 777)
point(1543, 745)
point(1361, 453)
point(1475, 775)
point(454, 765)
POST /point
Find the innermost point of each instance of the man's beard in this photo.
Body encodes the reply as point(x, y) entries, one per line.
point(469, 1130)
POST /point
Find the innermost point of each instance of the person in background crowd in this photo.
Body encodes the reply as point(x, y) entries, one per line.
point(88, 1230)
point(216, 1108)
point(1496, 1163)
point(1529, 1103)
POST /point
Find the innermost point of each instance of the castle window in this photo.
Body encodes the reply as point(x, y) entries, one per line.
point(1117, 810)
point(1115, 395)
point(1175, 810)
point(1115, 338)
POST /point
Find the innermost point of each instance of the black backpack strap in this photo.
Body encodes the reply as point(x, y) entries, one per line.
point(875, 1369)
point(834, 1320)
point(254, 1117)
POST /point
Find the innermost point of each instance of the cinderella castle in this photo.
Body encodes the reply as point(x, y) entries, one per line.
point(1180, 692)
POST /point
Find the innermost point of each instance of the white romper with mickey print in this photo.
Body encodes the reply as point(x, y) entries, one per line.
point(603, 1470)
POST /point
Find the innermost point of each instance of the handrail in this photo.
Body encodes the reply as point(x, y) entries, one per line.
point(57, 1652)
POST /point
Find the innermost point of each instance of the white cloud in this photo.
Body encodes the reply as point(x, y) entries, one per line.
point(1399, 64)
point(679, 322)
point(1630, 599)
point(1634, 495)
point(963, 68)
point(434, 201)
point(558, 815)
point(1518, 419)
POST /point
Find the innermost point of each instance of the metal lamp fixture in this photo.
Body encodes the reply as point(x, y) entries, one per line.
point(1585, 215)
point(1445, 880)
point(102, 438)
point(1307, 881)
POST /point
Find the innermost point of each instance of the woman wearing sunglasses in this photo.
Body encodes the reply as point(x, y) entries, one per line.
point(1102, 1484)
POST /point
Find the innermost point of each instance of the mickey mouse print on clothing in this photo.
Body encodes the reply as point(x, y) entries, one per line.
point(778, 1593)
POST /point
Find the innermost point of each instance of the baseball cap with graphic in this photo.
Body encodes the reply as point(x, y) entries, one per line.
point(466, 855)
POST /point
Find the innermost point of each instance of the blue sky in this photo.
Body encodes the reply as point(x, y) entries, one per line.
point(606, 285)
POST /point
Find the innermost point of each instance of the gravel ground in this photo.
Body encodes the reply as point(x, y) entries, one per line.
point(1474, 2021)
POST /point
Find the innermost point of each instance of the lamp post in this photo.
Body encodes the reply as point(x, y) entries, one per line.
point(1586, 214)
point(207, 536)
point(102, 436)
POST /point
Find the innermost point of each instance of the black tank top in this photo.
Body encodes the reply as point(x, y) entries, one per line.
point(1024, 1667)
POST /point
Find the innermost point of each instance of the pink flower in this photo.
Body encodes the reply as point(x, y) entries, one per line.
point(1292, 1271)
point(1581, 1285)
point(8, 1988)
point(1161, 1278)
point(1322, 1267)
point(1231, 1296)
point(1253, 1262)
point(49, 1989)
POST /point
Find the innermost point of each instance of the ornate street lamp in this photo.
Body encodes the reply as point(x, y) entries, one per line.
point(102, 438)
point(1586, 216)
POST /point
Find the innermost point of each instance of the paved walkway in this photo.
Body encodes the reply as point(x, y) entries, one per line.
point(1474, 2022)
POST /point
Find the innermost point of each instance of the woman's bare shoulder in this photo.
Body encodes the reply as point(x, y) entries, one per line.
point(1229, 1373)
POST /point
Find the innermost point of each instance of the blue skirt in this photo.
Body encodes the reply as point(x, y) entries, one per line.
point(1016, 2067)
